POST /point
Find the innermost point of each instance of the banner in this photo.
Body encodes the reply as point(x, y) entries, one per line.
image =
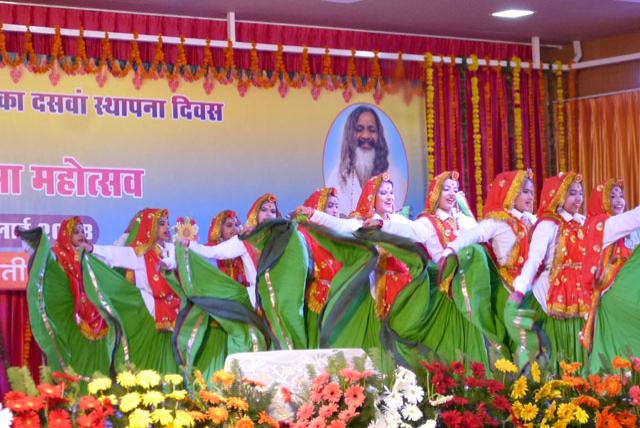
point(104, 150)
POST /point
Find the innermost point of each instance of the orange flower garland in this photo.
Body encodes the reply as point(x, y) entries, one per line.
point(429, 97)
point(504, 126)
point(453, 112)
point(441, 116)
point(517, 113)
point(488, 124)
point(559, 119)
point(571, 128)
point(477, 136)
point(531, 116)
point(542, 121)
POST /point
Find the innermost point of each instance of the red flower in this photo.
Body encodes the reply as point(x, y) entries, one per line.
point(286, 395)
point(457, 367)
point(471, 420)
point(458, 401)
point(64, 376)
point(51, 392)
point(33, 403)
point(478, 370)
point(59, 418)
point(501, 403)
point(354, 396)
point(88, 402)
point(14, 401)
point(86, 421)
point(27, 420)
point(494, 386)
point(452, 418)
point(636, 363)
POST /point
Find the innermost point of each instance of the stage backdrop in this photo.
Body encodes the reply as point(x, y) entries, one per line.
point(103, 153)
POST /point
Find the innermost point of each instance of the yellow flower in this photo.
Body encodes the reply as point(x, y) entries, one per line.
point(535, 372)
point(178, 395)
point(562, 423)
point(217, 415)
point(565, 411)
point(148, 379)
point(129, 401)
point(551, 411)
point(139, 418)
point(517, 408)
point(519, 389)
point(173, 379)
point(183, 420)
point(99, 384)
point(580, 415)
point(244, 422)
point(505, 366)
point(528, 412)
point(162, 417)
point(237, 403)
point(112, 399)
point(226, 378)
point(152, 398)
point(126, 379)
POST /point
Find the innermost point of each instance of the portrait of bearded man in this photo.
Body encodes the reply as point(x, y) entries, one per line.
point(364, 152)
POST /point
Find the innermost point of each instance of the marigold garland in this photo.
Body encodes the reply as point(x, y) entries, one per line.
point(571, 125)
point(488, 114)
point(453, 112)
point(504, 125)
point(477, 136)
point(531, 117)
point(559, 119)
point(429, 97)
point(441, 118)
point(517, 112)
point(542, 121)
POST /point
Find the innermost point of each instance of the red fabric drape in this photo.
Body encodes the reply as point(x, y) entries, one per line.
point(14, 316)
point(245, 32)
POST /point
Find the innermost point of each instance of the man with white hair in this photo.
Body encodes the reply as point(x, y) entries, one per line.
point(363, 154)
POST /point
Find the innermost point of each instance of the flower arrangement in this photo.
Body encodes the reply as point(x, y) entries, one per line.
point(340, 397)
point(185, 228)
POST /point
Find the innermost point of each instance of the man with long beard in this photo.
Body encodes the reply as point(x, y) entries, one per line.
point(363, 154)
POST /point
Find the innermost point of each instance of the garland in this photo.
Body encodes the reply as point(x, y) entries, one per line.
point(477, 136)
point(542, 122)
point(429, 97)
point(504, 125)
point(517, 113)
point(571, 128)
point(531, 116)
point(441, 118)
point(488, 114)
point(453, 112)
point(559, 119)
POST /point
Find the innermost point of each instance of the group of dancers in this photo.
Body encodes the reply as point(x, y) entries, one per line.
point(555, 285)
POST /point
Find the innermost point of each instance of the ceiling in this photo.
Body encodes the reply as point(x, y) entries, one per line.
point(555, 21)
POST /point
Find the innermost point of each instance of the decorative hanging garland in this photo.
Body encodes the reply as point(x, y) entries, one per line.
point(441, 118)
point(517, 113)
point(488, 114)
point(453, 112)
point(571, 125)
point(559, 119)
point(531, 117)
point(477, 136)
point(504, 125)
point(431, 116)
point(542, 122)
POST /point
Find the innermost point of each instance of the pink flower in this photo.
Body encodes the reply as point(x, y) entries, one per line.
point(354, 396)
point(347, 414)
point(332, 392)
point(352, 376)
point(636, 363)
point(316, 395)
point(305, 412)
point(634, 393)
point(337, 424)
point(317, 423)
point(321, 380)
point(328, 410)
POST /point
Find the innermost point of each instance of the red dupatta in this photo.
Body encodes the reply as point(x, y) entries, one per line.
point(446, 230)
point(88, 318)
point(142, 238)
point(234, 268)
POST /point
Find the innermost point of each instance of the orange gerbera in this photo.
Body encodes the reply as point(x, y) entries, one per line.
point(585, 400)
point(621, 363)
point(265, 418)
point(244, 422)
point(211, 397)
point(596, 383)
point(217, 415)
point(569, 368)
point(577, 382)
point(626, 419)
point(612, 385)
